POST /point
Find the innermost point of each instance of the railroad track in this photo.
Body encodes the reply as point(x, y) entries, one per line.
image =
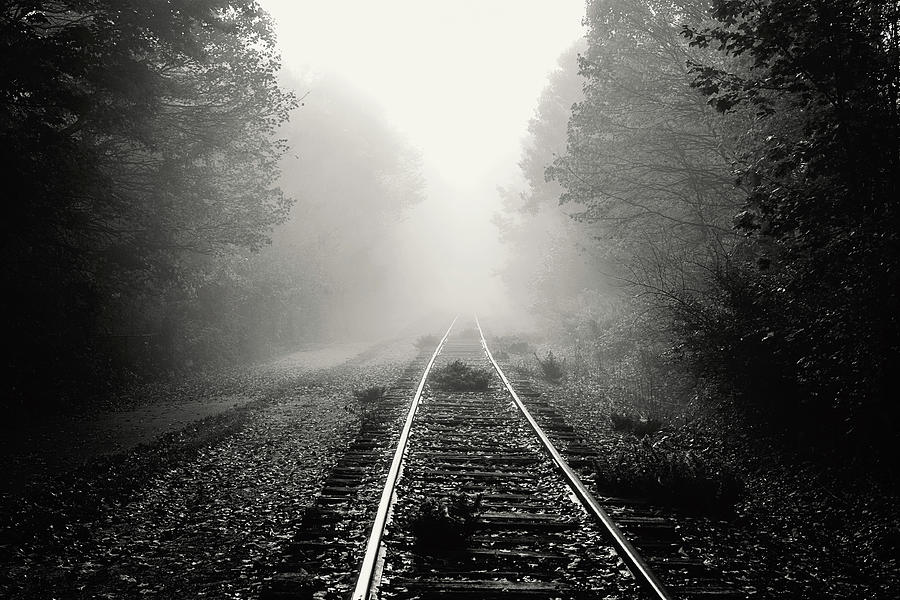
point(484, 496)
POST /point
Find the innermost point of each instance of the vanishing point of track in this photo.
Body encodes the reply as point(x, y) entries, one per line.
point(480, 461)
point(538, 531)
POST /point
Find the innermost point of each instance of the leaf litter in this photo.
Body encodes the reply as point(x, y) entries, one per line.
point(202, 511)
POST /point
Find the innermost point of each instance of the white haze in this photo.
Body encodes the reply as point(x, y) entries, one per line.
point(460, 80)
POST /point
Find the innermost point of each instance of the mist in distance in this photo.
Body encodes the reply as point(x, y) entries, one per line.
point(413, 116)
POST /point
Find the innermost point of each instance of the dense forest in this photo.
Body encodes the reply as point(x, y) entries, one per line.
point(710, 201)
point(151, 227)
point(225, 278)
point(734, 171)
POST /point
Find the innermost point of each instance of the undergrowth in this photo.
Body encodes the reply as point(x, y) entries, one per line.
point(551, 368)
point(445, 524)
point(681, 479)
point(368, 399)
point(460, 377)
point(427, 342)
point(640, 426)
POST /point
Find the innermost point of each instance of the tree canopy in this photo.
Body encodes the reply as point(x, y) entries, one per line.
point(737, 168)
point(820, 167)
point(137, 140)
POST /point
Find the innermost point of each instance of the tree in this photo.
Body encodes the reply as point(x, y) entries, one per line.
point(644, 158)
point(820, 164)
point(331, 267)
point(138, 140)
point(551, 264)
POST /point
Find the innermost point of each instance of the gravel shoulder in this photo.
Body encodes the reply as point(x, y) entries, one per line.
point(31, 448)
point(187, 507)
point(799, 530)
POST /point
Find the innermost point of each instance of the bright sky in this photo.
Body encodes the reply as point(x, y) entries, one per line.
point(459, 78)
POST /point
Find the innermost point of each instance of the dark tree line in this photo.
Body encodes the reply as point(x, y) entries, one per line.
point(146, 230)
point(737, 167)
point(137, 144)
point(819, 171)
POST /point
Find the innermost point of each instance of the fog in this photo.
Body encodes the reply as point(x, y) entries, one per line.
point(452, 84)
point(680, 238)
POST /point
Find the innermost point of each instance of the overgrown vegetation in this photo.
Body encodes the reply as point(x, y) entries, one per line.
point(460, 377)
point(667, 476)
point(500, 354)
point(427, 342)
point(551, 368)
point(444, 525)
point(150, 227)
point(639, 426)
point(735, 212)
point(512, 345)
point(368, 399)
point(110, 114)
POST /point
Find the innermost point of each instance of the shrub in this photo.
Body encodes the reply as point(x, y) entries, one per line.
point(513, 345)
point(552, 369)
point(518, 347)
point(445, 524)
point(460, 377)
point(470, 333)
point(676, 478)
point(427, 342)
point(639, 426)
point(367, 400)
point(501, 354)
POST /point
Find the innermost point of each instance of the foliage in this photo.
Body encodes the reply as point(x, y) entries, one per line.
point(445, 524)
point(640, 426)
point(553, 259)
point(812, 307)
point(354, 175)
point(669, 477)
point(513, 345)
point(140, 143)
point(137, 139)
point(551, 368)
point(734, 168)
point(427, 342)
point(645, 166)
point(460, 377)
point(368, 399)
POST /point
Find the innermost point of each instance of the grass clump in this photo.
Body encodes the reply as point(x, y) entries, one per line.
point(514, 345)
point(368, 399)
point(427, 342)
point(518, 347)
point(551, 368)
point(460, 377)
point(445, 524)
point(470, 333)
point(679, 479)
point(638, 426)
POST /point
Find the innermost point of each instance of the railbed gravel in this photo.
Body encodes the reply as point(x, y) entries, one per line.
point(789, 538)
point(201, 512)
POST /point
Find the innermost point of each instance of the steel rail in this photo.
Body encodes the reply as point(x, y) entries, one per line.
point(366, 583)
point(638, 567)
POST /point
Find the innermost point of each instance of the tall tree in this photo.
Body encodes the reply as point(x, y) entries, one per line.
point(551, 261)
point(333, 262)
point(822, 166)
point(645, 160)
point(137, 137)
